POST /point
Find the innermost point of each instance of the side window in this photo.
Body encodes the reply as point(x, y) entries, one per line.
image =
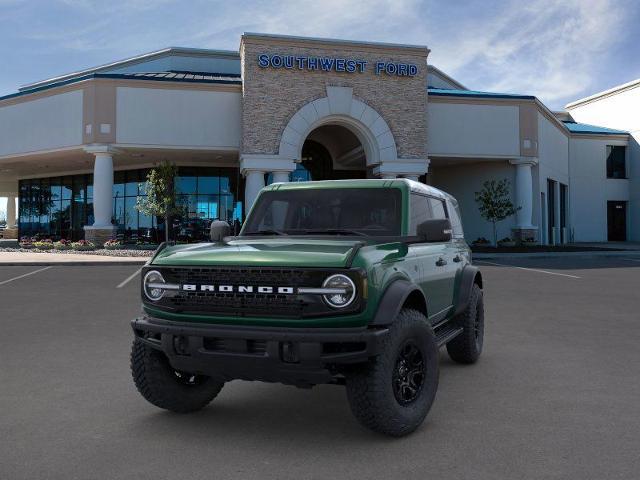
point(454, 217)
point(437, 207)
point(419, 211)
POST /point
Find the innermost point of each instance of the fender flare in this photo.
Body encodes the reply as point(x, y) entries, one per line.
point(392, 301)
point(468, 278)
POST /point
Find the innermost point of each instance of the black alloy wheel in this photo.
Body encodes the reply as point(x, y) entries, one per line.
point(409, 374)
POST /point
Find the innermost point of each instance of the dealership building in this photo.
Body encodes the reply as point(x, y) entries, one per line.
point(75, 149)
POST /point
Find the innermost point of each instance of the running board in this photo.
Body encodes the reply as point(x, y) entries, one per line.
point(446, 334)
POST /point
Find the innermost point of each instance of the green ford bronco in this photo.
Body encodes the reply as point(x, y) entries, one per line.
point(349, 282)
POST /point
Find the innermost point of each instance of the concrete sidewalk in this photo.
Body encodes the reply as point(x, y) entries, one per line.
point(35, 259)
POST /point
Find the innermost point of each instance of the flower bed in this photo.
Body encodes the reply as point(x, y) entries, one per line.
point(113, 245)
point(99, 252)
point(62, 245)
point(83, 245)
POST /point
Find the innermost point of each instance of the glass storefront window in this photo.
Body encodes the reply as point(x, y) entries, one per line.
point(209, 185)
point(59, 207)
point(186, 184)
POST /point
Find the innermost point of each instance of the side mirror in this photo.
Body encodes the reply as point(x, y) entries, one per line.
point(435, 230)
point(218, 230)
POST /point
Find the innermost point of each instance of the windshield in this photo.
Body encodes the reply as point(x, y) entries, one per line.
point(340, 211)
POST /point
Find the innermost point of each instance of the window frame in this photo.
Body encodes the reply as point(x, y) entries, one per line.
point(411, 238)
point(608, 151)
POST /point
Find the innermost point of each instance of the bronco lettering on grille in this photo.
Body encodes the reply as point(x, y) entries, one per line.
point(190, 287)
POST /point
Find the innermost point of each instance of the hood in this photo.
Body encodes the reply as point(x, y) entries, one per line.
point(271, 252)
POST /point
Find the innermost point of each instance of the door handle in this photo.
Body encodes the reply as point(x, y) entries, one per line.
point(457, 259)
point(441, 262)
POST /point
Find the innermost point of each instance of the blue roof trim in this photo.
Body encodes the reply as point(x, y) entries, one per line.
point(444, 92)
point(225, 80)
point(585, 128)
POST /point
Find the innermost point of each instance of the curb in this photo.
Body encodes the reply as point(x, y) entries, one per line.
point(72, 264)
point(618, 253)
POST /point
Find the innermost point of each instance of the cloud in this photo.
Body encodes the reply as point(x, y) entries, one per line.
point(547, 48)
point(557, 50)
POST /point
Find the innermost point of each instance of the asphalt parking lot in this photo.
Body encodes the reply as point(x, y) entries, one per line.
point(555, 395)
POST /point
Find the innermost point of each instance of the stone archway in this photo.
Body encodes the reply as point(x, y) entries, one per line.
point(339, 107)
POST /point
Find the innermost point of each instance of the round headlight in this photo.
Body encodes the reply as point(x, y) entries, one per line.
point(151, 284)
point(345, 291)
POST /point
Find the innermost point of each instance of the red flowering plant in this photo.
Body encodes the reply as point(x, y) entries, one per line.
point(113, 244)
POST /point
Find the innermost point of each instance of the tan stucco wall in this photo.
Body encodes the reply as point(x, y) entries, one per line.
point(272, 96)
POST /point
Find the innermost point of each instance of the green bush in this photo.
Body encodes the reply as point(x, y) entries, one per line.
point(83, 245)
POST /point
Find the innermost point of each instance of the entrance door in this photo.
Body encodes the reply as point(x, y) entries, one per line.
point(333, 152)
point(543, 221)
point(617, 221)
point(551, 211)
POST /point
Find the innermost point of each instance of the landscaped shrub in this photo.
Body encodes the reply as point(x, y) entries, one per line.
point(62, 245)
point(26, 242)
point(43, 244)
point(113, 244)
point(146, 246)
point(481, 241)
point(83, 245)
point(506, 242)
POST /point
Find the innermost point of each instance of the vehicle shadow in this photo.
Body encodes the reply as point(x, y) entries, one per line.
point(250, 412)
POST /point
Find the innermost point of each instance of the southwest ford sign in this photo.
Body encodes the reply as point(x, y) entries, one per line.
point(335, 64)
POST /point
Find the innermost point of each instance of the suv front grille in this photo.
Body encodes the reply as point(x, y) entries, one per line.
point(247, 304)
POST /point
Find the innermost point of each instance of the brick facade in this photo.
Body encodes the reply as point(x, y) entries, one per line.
point(272, 96)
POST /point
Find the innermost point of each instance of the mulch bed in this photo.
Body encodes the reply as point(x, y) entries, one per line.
point(101, 252)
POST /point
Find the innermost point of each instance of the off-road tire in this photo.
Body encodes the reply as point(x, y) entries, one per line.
point(371, 387)
point(162, 386)
point(467, 347)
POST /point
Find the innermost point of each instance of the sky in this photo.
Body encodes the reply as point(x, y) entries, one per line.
point(557, 50)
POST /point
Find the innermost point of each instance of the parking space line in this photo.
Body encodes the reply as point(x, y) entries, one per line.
point(529, 269)
point(129, 278)
point(25, 275)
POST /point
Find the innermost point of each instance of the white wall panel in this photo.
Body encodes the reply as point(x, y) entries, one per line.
point(589, 189)
point(190, 118)
point(620, 111)
point(42, 124)
point(464, 129)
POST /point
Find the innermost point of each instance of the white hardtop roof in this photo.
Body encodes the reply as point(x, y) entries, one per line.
point(414, 186)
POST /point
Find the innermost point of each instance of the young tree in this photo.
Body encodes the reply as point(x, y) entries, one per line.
point(161, 200)
point(494, 203)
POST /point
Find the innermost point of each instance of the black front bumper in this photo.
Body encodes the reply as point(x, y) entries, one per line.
point(297, 356)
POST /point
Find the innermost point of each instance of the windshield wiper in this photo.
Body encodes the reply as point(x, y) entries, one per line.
point(267, 232)
point(337, 231)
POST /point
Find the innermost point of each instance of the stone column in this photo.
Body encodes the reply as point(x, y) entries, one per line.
point(524, 198)
point(102, 228)
point(410, 168)
point(253, 166)
point(11, 211)
point(11, 232)
point(254, 183)
point(280, 176)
